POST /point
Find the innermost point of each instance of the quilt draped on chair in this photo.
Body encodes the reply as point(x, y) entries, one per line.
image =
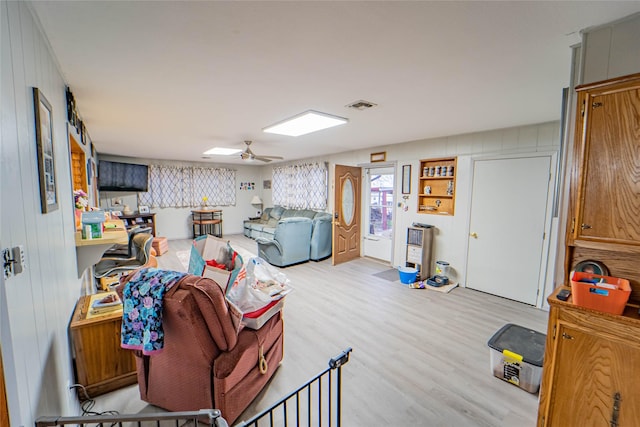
point(142, 315)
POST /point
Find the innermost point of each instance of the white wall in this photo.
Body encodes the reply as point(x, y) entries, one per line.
point(37, 304)
point(451, 231)
point(611, 50)
point(175, 223)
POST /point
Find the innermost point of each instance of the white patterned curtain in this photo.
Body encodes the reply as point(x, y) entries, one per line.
point(186, 186)
point(217, 185)
point(300, 186)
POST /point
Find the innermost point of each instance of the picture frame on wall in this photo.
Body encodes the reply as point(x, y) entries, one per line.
point(406, 179)
point(83, 133)
point(46, 161)
point(378, 157)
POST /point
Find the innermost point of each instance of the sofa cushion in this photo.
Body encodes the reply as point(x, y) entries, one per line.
point(307, 213)
point(322, 215)
point(265, 215)
point(257, 227)
point(269, 230)
point(289, 213)
point(276, 212)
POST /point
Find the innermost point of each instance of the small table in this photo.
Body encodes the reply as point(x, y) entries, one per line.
point(206, 221)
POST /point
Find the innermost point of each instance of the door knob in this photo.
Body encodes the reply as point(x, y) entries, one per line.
point(474, 235)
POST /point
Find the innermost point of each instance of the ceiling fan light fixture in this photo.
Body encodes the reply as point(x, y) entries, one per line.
point(221, 151)
point(304, 123)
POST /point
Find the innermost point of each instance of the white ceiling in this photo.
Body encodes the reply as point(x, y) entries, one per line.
point(169, 80)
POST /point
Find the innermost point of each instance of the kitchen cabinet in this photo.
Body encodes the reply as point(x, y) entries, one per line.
point(591, 367)
point(608, 191)
point(592, 359)
point(437, 185)
point(604, 194)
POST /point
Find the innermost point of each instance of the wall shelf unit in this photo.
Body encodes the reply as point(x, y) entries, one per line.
point(437, 186)
point(140, 219)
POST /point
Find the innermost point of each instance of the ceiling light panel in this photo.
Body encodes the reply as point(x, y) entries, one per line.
point(304, 123)
point(220, 151)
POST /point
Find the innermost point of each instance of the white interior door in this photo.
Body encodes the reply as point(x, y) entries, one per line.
point(378, 197)
point(507, 226)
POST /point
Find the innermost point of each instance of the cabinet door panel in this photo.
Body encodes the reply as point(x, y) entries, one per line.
point(610, 204)
point(590, 370)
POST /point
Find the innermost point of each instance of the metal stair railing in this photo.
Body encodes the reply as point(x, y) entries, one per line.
point(211, 417)
point(305, 406)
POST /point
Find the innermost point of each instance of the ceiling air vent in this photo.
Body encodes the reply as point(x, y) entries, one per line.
point(361, 105)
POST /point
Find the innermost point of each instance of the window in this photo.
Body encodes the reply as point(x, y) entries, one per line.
point(301, 186)
point(380, 219)
point(186, 186)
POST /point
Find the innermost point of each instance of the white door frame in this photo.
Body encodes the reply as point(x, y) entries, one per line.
point(396, 191)
point(545, 268)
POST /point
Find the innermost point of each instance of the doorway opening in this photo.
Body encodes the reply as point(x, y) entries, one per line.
point(378, 224)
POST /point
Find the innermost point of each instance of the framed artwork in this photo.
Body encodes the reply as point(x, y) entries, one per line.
point(406, 179)
point(143, 209)
point(89, 171)
point(266, 184)
point(83, 133)
point(379, 157)
point(44, 141)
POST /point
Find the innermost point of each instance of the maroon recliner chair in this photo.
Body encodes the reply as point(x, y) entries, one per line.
point(208, 360)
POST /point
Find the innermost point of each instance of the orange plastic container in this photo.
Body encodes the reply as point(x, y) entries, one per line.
point(608, 294)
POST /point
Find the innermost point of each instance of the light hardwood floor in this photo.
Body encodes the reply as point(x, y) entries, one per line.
point(420, 357)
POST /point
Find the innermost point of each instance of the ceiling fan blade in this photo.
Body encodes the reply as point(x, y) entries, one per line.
point(272, 157)
point(250, 155)
point(262, 159)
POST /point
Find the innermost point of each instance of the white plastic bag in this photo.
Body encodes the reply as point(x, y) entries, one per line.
point(257, 285)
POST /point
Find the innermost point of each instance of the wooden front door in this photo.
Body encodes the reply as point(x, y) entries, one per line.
point(346, 217)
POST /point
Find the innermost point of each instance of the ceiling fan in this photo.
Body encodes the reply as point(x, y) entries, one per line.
point(249, 155)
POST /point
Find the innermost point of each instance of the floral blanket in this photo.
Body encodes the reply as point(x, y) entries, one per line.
point(142, 316)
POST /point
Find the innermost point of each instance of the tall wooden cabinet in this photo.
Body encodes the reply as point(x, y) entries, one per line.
point(592, 359)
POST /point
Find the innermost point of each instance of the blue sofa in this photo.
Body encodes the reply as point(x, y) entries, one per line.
point(266, 226)
point(290, 244)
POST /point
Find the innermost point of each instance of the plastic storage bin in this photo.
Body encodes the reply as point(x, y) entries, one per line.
point(256, 319)
point(516, 356)
point(602, 293)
